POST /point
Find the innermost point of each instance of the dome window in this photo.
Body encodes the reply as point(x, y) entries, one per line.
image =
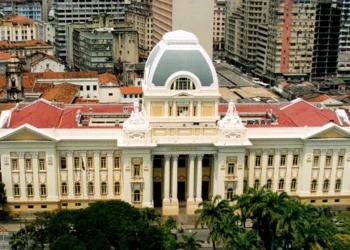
point(183, 84)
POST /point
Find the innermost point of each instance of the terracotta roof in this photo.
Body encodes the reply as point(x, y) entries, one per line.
point(108, 78)
point(6, 106)
point(2, 93)
point(4, 56)
point(319, 98)
point(44, 58)
point(42, 87)
point(28, 80)
point(63, 93)
point(66, 75)
point(22, 44)
point(82, 101)
point(39, 114)
point(131, 90)
point(18, 19)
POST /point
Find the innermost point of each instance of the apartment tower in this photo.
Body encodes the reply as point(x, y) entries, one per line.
point(344, 42)
point(195, 16)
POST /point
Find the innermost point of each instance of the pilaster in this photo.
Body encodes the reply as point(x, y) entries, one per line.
point(97, 174)
point(321, 172)
point(36, 176)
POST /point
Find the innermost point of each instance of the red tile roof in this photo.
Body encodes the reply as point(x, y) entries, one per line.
point(107, 77)
point(63, 93)
point(3, 81)
point(18, 19)
point(82, 101)
point(131, 90)
point(6, 106)
point(319, 98)
point(2, 93)
point(42, 87)
point(22, 44)
point(4, 56)
point(66, 75)
point(46, 56)
point(39, 114)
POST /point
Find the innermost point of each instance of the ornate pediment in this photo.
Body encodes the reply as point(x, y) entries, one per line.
point(26, 133)
point(329, 131)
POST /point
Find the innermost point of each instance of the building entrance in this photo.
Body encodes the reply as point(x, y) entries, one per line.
point(157, 194)
point(181, 191)
point(205, 190)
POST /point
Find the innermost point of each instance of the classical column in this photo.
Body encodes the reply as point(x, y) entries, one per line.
point(151, 179)
point(276, 169)
point(22, 177)
point(174, 179)
point(110, 174)
point(264, 166)
point(36, 183)
point(147, 197)
point(174, 109)
point(199, 178)
point(289, 170)
point(215, 174)
point(333, 171)
point(69, 161)
point(166, 178)
point(199, 109)
point(83, 176)
point(191, 178)
point(321, 172)
point(191, 108)
point(97, 173)
point(251, 167)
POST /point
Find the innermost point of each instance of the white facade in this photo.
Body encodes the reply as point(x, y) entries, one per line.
point(178, 146)
point(47, 65)
point(46, 31)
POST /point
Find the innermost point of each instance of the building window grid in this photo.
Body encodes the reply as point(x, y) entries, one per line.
point(230, 168)
point(117, 188)
point(90, 162)
point(281, 184)
point(256, 184)
point(43, 190)
point(295, 160)
point(269, 184)
point(316, 161)
point(325, 185)
point(90, 188)
point(16, 190)
point(116, 162)
point(14, 164)
point(64, 188)
point(183, 84)
point(283, 160)
point(340, 160)
point(338, 185)
point(314, 185)
point(77, 188)
point(63, 163)
point(258, 161)
point(30, 191)
point(182, 110)
point(137, 196)
point(103, 162)
point(229, 194)
point(76, 162)
point(136, 170)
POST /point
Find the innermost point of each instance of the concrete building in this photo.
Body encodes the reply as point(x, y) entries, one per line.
point(80, 11)
point(139, 12)
point(326, 43)
point(186, 15)
point(344, 42)
point(31, 10)
point(46, 31)
point(108, 23)
point(180, 146)
point(26, 48)
point(17, 28)
point(219, 24)
point(100, 49)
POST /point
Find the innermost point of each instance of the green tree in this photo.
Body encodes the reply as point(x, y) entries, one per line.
point(345, 218)
point(190, 242)
point(37, 230)
point(170, 223)
point(3, 198)
point(209, 213)
point(18, 240)
point(248, 240)
point(67, 241)
point(243, 204)
point(150, 215)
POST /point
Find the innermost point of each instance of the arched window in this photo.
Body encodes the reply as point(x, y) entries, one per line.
point(256, 184)
point(64, 189)
point(229, 194)
point(90, 188)
point(281, 184)
point(103, 188)
point(16, 191)
point(137, 196)
point(338, 185)
point(314, 185)
point(326, 185)
point(293, 184)
point(29, 190)
point(42, 190)
point(77, 188)
point(269, 184)
point(183, 83)
point(117, 187)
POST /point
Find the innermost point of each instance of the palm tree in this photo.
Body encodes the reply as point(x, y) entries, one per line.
point(249, 240)
point(243, 203)
point(18, 240)
point(258, 204)
point(209, 213)
point(190, 242)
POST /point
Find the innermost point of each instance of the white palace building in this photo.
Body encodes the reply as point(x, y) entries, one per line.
point(174, 148)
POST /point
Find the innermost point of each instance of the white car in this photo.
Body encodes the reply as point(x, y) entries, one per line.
point(258, 81)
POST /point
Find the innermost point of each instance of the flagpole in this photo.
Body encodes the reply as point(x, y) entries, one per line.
point(83, 177)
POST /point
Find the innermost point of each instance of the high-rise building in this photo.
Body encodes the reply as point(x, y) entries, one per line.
point(31, 10)
point(344, 41)
point(219, 24)
point(80, 11)
point(195, 16)
point(139, 12)
point(327, 28)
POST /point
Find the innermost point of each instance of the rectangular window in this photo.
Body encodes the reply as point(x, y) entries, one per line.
point(258, 161)
point(14, 165)
point(136, 170)
point(43, 206)
point(340, 160)
point(283, 160)
point(87, 87)
point(42, 164)
point(246, 160)
point(94, 87)
point(89, 162)
point(182, 111)
point(28, 165)
point(110, 94)
point(103, 162)
point(76, 162)
point(63, 163)
point(295, 160)
point(116, 162)
point(316, 161)
point(231, 168)
point(270, 161)
point(328, 160)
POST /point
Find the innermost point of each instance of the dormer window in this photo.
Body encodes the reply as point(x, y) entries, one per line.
point(183, 84)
